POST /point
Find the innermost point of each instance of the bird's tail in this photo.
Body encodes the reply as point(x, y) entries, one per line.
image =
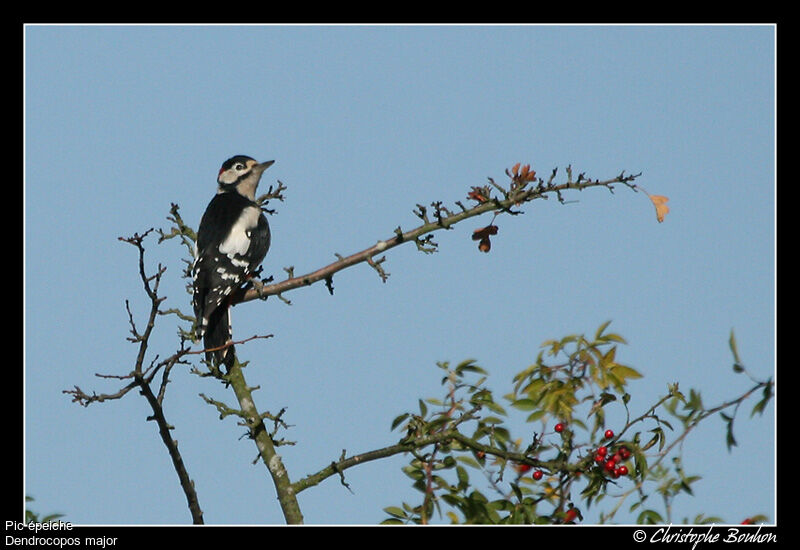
point(216, 335)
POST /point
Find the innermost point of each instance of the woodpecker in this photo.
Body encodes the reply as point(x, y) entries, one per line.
point(232, 240)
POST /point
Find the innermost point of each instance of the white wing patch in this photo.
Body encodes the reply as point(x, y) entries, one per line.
point(227, 276)
point(238, 240)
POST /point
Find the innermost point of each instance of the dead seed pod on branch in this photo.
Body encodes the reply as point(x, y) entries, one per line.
point(482, 235)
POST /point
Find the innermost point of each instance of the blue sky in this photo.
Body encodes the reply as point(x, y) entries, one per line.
point(364, 122)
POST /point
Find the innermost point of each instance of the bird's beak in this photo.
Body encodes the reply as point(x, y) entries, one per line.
point(263, 166)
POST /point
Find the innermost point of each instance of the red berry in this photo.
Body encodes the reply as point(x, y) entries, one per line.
point(610, 465)
point(623, 470)
point(609, 434)
point(570, 515)
point(537, 475)
point(624, 453)
point(747, 521)
point(522, 468)
point(602, 451)
point(559, 427)
point(599, 458)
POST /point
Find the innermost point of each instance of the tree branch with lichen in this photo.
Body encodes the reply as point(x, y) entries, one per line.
point(524, 187)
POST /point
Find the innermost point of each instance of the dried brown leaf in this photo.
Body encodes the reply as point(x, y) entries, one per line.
point(660, 202)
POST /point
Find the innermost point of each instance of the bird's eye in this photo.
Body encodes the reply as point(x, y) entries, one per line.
point(239, 166)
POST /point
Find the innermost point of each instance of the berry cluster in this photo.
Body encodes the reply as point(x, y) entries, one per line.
point(612, 463)
point(523, 469)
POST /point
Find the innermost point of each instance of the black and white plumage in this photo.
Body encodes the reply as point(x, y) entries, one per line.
point(232, 240)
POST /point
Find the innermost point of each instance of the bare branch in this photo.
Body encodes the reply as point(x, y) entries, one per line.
point(520, 192)
point(142, 377)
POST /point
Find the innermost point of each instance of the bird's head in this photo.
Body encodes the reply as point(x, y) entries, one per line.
point(241, 174)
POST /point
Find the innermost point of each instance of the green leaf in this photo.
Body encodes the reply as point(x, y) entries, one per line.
point(765, 397)
point(469, 461)
point(535, 416)
point(759, 407)
point(463, 478)
point(500, 434)
point(622, 372)
point(658, 435)
point(413, 473)
point(695, 402)
point(524, 404)
point(613, 337)
point(702, 519)
point(606, 398)
point(517, 491)
point(395, 511)
point(734, 350)
point(599, 334)
point(399, 420)
point(453, 517)
point(434, 424)
point(494, 407)
point(482, 397)
point(468, 366)
point(665, 423)
point(575, 422)
point(423, 409)
point(649, 517)
point(730, 441)
point(554, 346)
point(452, 499)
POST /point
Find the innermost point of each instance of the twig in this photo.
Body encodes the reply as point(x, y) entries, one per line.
point(229, 344)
